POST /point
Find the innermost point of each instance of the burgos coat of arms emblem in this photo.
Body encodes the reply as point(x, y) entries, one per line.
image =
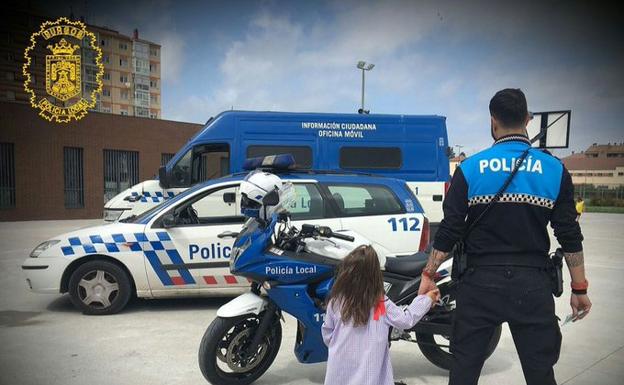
point(64, 42)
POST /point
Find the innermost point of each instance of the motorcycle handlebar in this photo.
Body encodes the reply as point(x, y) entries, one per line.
point(343, 237)
point(324, 231)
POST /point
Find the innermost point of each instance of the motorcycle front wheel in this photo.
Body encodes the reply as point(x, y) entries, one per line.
point(223, 355)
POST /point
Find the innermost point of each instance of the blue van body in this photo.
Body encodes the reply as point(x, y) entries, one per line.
point(412, 148)
point(420, 140)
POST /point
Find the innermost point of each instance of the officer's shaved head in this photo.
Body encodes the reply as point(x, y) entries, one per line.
point(509, 108)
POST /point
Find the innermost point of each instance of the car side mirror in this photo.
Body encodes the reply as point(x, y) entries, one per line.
point(163, 177)
point(168, 220)
point(229, 197)
point(271, 199)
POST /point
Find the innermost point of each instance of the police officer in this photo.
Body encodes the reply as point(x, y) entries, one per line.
point(507, 250)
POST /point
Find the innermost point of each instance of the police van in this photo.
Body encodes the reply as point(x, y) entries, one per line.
point(411, 148)
point(174, 250)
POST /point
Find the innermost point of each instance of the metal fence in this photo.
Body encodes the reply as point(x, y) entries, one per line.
point(73, 175)
point(7, 175)
point(121, 171)
point(600, 195)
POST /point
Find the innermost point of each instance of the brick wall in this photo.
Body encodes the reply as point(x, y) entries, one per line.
point(39, 146)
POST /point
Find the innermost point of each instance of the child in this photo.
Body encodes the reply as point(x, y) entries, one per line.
point(580, 207)
point(358, 320)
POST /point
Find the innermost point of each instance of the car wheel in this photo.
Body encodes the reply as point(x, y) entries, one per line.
point(99, 288)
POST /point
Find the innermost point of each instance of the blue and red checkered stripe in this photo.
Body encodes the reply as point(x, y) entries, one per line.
point(157, 247)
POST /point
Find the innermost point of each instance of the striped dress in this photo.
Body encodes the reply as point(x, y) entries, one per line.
point(360, 355)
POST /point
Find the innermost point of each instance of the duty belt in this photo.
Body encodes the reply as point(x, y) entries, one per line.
point(538, 261)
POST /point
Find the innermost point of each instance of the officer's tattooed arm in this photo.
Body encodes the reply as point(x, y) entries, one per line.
point(435, 260)
point(576, 265)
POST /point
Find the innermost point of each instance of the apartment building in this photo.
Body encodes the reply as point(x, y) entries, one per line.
point(600, 165)
point(131, 80)
point(132, 66)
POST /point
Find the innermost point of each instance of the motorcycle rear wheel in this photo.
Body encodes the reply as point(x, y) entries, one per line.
point(224, 343)
point(443, 359)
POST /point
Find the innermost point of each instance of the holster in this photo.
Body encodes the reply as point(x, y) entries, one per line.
point(555, 270)
point(460, 261)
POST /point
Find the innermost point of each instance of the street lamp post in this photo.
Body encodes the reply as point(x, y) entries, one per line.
point(364, 67)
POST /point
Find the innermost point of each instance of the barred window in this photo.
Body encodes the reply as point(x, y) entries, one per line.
point(7, 176)
point(73, 175)
point(121, 171)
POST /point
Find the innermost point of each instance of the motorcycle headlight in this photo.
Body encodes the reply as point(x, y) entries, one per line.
point(112, 215)
point(42, 247)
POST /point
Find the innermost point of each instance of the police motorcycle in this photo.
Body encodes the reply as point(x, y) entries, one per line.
point(291, 270)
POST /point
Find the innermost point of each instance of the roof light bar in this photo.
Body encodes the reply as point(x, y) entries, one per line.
point(278, 162)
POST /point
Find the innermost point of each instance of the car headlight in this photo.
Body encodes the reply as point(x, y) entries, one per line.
point(42, 247)
point(112, 215)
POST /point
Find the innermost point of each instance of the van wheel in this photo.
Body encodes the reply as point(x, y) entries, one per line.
point(99, 288)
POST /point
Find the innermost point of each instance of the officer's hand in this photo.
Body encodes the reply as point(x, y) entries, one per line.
point(426, 285)
point(580, 302)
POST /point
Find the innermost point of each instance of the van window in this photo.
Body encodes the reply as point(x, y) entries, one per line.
point(181, 172)
point(364, 200)
point(371, 157)
point(201, 163)
point(308, 204)
point(210, 162)
point(302, 154)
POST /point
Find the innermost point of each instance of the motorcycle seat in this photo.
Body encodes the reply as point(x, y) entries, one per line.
point(409, 265)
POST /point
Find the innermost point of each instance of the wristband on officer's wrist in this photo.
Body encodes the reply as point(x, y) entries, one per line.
point(579, 288)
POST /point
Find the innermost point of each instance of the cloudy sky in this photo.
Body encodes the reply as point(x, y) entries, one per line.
point(432, 57)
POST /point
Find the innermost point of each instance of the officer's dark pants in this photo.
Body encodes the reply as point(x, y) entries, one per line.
point(520, 296)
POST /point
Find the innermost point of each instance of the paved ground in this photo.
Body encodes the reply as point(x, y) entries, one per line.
point(43, 340)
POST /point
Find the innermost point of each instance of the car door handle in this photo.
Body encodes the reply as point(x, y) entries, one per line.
point(437, 197)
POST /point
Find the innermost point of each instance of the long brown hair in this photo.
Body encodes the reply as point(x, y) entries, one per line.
point(358, 286)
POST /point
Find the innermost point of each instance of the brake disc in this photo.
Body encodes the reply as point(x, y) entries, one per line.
point(234, 357)
point(227, 340)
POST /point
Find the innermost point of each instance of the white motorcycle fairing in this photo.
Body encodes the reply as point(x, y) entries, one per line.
point(339, 249)
point(243, 304)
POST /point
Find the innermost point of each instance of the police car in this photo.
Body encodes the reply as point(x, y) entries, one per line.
point(173, 250)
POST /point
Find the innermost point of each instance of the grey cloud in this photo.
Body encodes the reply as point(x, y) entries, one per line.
point(561, 56)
